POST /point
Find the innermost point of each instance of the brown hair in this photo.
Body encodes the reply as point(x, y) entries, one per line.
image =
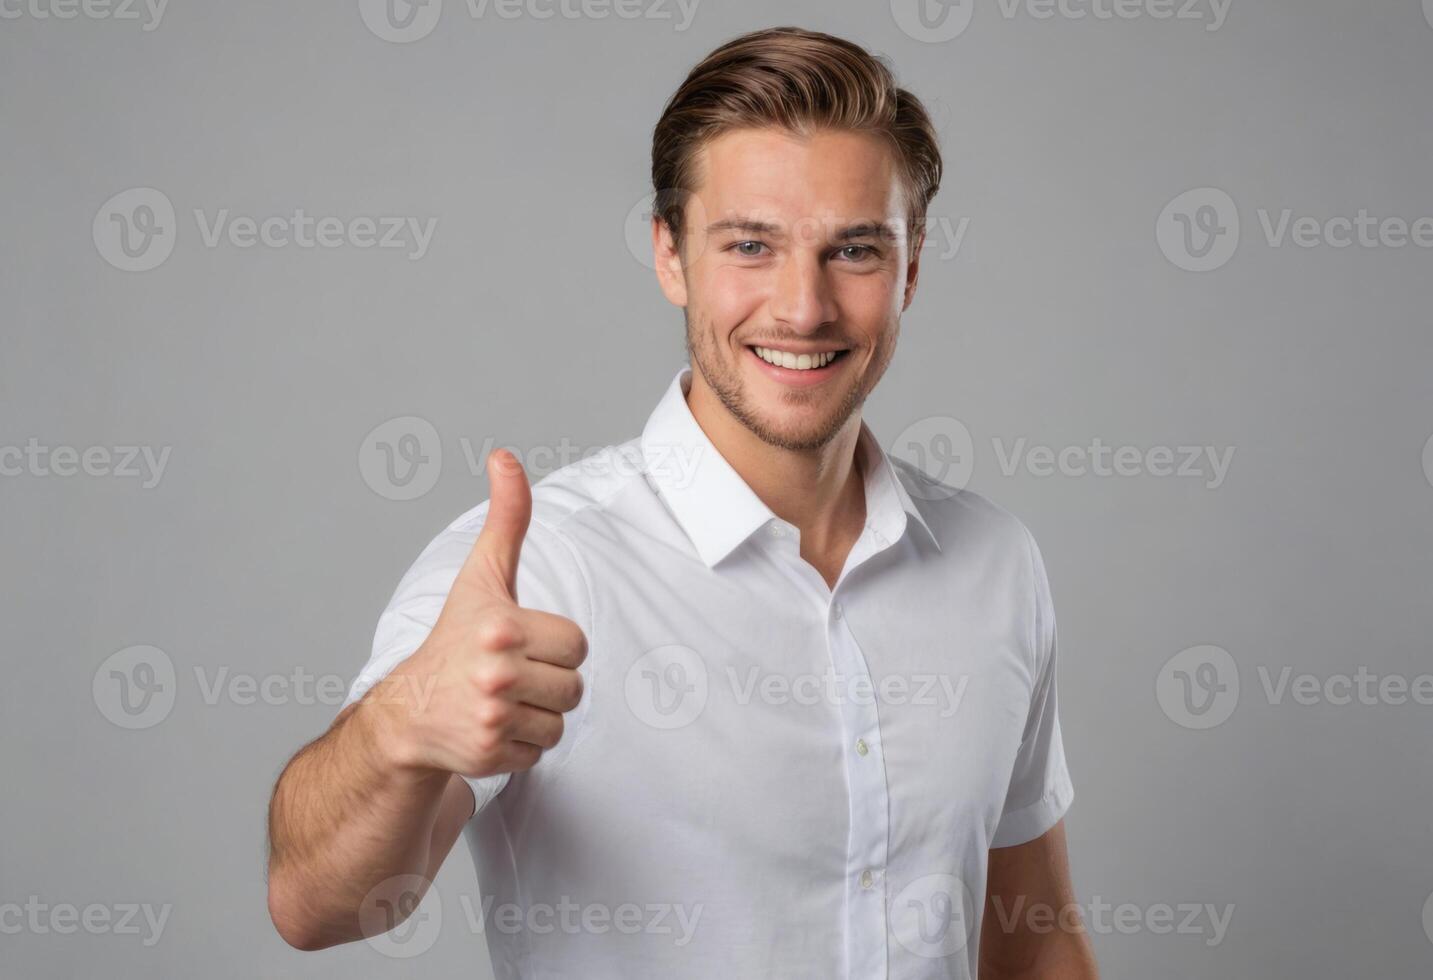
point(801, 81)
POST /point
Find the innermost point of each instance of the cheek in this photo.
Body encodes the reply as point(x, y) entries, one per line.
point(729, 298)
point(870, 305)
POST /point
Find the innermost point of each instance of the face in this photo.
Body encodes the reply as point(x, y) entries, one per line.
point(793, 273)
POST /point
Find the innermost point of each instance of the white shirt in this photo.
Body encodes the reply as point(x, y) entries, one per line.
point(765, 777)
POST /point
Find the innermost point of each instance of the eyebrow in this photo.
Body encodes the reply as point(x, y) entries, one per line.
point(751, 226)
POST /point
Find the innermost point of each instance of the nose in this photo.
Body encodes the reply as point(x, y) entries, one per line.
point(801, 295)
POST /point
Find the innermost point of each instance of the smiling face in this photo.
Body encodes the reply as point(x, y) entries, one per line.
point(794, 271)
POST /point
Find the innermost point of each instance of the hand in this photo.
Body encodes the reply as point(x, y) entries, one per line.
point(486, 691)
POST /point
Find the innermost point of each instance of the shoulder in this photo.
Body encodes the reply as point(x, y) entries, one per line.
point(961, 516)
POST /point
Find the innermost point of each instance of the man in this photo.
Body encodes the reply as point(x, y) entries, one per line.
point(742, 697)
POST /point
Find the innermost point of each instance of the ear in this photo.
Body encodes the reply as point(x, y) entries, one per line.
point(668, 259)
point(913, 265)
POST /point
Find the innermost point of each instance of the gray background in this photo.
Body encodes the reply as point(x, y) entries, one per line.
point(264, 547)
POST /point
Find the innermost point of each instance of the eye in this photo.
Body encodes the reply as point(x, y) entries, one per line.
point(860, 252)
point(741, 245)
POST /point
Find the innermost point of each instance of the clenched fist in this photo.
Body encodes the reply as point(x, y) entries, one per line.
point(486, 691)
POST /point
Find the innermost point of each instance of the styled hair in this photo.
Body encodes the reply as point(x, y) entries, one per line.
point(798, 80)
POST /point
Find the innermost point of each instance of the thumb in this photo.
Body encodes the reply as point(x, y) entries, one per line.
point(495, 554)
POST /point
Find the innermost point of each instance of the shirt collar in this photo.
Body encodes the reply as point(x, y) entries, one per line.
point(713, 504)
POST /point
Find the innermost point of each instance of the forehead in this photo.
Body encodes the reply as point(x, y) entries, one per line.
point(784, 175)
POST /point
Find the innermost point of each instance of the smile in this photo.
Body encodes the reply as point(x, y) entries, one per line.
point(793, 361)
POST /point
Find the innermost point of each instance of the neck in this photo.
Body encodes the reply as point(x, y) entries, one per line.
point(821, 492)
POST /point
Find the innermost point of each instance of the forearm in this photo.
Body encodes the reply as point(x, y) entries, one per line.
point(1057, 956)
point(343, 820)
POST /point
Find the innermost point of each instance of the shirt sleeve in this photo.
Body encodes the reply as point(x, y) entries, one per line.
point(549, 578)
point(1040, 789)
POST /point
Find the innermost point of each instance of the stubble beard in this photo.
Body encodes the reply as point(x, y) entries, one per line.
point(724, 379)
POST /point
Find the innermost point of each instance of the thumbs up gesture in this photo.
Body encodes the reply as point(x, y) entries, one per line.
point(486, 692)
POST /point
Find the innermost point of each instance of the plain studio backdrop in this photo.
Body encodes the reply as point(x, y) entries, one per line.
point(1213, 409)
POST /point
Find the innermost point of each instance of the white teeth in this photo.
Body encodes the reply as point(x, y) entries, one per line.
point(797, 362)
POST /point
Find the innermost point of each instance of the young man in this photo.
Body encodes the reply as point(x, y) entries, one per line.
point(742, 697)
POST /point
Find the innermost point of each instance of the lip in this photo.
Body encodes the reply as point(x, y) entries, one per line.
point(795, 378)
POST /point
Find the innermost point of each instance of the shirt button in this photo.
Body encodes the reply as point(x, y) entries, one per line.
point(861, 748)
point(777, 531)
point(837, 611)
point(866, 879)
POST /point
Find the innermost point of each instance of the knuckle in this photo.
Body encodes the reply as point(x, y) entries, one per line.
point(495, 677)
point(487, 744)
point(494, 716)
point(499, 631)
